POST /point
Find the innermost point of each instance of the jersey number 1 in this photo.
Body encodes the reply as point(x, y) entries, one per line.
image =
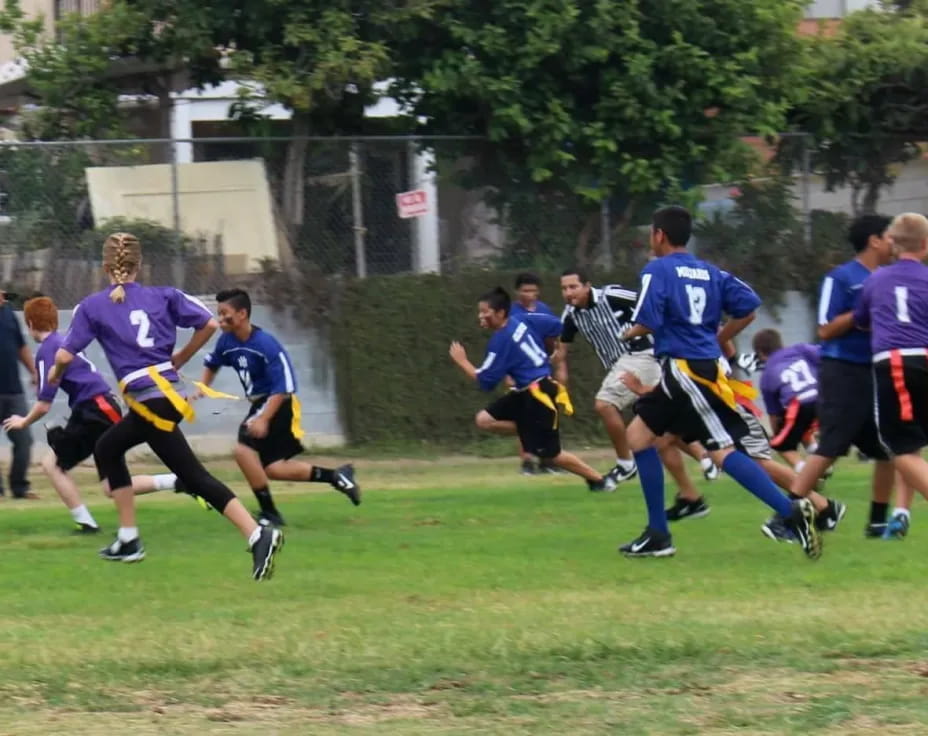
point(697, 299)
point(902, 304)
point(139, 317)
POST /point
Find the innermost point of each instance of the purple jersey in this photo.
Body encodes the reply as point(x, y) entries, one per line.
point(894, 306)
point(80, 381)
point(791, 374)
point(137, 333)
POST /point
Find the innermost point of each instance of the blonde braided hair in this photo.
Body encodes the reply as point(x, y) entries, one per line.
point(122, 257)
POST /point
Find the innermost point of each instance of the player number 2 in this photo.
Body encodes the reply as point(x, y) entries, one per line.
point(902, 304)
point(697, 299)
point(139, 317)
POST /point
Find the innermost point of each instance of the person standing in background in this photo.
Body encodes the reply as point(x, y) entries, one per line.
point(13, 350)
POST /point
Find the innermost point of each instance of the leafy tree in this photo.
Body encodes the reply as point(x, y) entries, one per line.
point(581, 101)
point(866, 100)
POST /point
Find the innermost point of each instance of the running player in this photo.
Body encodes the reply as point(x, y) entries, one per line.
point(531, 408)
point(894, 306)
point(137, 328)
point(93, 410)
point(269, 437)
point(681, 303)
point(845, 380)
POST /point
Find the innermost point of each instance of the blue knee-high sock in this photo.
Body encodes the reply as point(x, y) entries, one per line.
point(752, 476)
point(651, 474)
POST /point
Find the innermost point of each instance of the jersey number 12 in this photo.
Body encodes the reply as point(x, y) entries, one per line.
point(697, 299)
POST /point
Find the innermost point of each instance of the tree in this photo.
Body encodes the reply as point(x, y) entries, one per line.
point(866, 100)
point(583, 101)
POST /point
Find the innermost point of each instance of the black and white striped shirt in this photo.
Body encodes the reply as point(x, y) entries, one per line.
point(603, 320)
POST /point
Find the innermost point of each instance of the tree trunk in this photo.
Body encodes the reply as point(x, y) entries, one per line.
point(871, 198)
point(582, 254)
point(292, 199)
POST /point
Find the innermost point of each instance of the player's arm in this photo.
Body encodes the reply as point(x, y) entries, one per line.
point(25, 357)
point(734, 327)
point(634, 331)
point(634, 384)
point(840, 325)
point(740, 302)
point(15, 422)
point(197, 340)
point(559, 361)
point(79, 336)
point(458, 354)
point(649, 310)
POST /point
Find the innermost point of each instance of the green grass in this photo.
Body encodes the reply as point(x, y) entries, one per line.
point(460, 598)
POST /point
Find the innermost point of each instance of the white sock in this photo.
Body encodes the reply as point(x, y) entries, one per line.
point(165, 481)
point(127, 533)
point(706, 463)
point(81, 515)
point(799, 466)
point(904, 512)
point(625, 464)
point(812, 448)
point(255, 536)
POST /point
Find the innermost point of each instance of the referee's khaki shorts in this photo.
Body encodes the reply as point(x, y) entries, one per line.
point(613, 391)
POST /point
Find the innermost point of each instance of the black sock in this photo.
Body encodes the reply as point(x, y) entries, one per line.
point(321, 475)
point(264, 499)
point(878, 512)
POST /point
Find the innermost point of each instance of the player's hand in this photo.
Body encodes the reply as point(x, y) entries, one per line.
point(196, 395)
point(34, 378)
point(633, 383)
point(14, 423)
point(457, 352)
point(257, 428)
point(178, 361)
point(510, 383)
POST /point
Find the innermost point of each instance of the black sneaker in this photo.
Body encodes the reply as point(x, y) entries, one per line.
point(82, 528)
point(649, 544)
point(875, 530)
point(802, 523)
point(606, 485)
point(528, 468)
point(270, 517)
point(620, 474)
point(778, 530)
point(683, 509)
point(124, 551)
point(828, 519)
point(344, 483)
point(264, 551)
point(179, 487)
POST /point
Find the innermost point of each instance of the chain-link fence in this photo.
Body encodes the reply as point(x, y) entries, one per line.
point(211, 211)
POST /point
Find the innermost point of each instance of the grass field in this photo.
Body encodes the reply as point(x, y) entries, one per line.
point(460, 598)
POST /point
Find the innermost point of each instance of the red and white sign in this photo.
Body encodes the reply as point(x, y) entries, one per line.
point(412, 204)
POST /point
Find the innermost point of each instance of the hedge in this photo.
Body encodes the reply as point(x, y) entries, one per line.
point(396, 382)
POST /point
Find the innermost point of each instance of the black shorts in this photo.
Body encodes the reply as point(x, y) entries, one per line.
point(800, 419)
point(89, 419)
point(536, 419)
point(281, 442)
point(684, 406)
point(845, 410)
point(902, 401)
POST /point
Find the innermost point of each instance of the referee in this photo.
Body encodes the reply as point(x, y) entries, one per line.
point(601, 315)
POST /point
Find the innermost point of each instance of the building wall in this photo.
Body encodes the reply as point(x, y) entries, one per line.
point(216, 425)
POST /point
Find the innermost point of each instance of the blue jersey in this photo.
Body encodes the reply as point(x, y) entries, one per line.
point(514, 351)
point(517, 310)
point(544, 326)
point(261, 362)
point(682, 300)
point(840, 293)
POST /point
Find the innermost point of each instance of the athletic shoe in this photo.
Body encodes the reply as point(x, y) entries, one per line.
point(683, 509)
point(620, 474)
point(82, 528)
point(344, 483)
point(710, 471)
point(270, 517)
point(802, 523)
point(264, 551)
point(828, 519)
point(778, 530)
point(897, 527)
point(179, 487)
point(528, 468)
point(875, 530)
point(606, 485)
point(649, 544)
point(120, 551)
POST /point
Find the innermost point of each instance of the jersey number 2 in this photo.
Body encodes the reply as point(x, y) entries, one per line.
point(139, 317)
point(697, 299)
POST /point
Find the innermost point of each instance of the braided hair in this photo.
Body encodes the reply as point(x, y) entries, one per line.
point(122, 256)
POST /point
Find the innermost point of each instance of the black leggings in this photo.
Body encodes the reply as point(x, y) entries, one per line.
point(170, 447)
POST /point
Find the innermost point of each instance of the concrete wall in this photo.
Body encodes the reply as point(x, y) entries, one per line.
point(216, 425)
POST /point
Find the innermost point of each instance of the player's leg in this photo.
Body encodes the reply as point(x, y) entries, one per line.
point(688, 503)
point(489, 423)
point(696, 451)
point(528, 465)
point(67, 491)
point(898, 525)
point(612, 399)
point(250, 463)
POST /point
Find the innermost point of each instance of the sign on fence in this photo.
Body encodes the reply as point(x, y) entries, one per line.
point(412, 204)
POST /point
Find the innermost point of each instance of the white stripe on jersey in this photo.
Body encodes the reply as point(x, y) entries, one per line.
point(488, 362)
point(288, 375)
point(41, 375)
point(825, 301)
point(196, 301)
point(645, 283)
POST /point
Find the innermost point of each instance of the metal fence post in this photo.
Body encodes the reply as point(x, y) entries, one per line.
point(177, 262)
point(357, 209)
point(807, 186)
point(605, 224)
